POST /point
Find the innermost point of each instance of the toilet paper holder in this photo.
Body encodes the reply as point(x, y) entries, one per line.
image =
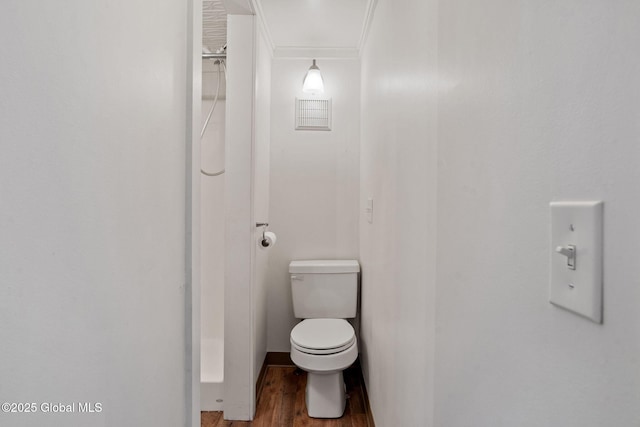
point(264, 226)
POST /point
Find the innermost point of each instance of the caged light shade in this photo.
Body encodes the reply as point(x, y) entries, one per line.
point(313, 82)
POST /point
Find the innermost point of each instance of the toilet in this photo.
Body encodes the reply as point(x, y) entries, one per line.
point(325, 294)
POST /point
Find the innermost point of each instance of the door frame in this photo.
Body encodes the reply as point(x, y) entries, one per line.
point(192, 214)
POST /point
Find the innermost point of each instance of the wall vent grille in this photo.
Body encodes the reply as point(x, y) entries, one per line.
point(313, 114)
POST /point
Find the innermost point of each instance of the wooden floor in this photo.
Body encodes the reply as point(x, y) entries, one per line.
point(281, 402)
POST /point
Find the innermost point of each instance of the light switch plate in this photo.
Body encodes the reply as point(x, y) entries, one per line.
point(369, 210)
point(578, 290)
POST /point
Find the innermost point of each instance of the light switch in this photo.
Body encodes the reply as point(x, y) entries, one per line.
point(576, 258)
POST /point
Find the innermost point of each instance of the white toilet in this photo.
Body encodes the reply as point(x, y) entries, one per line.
point(325, 293)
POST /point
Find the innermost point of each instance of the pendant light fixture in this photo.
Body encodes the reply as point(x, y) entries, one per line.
point(313, 82)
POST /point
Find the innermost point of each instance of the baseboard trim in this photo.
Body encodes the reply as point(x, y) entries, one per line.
point(273, 358)
point(278, 358)
point(370, 422)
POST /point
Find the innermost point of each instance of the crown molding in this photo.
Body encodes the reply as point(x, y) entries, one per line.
point(264, 28)
point(366, 25)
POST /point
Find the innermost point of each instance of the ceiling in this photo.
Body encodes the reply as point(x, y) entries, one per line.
point(315, 24)
point(297, 28)
point(214, 24)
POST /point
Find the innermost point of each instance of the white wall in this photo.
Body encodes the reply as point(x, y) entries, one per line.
point(398, 170)
point(313, 205)
point(261, 169)
point(93, 128)
point(538, 102)
point(239, 396)
point(542, 104)
point(246, 202)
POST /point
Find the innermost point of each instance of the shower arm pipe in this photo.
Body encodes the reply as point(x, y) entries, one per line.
point(214, 56)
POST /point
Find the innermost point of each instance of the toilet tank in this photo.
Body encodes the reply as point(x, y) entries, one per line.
point(324, 288)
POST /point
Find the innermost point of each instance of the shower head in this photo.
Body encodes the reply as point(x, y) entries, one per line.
point(223, 49)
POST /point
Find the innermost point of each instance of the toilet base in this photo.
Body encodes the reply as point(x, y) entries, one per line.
point(325, 395)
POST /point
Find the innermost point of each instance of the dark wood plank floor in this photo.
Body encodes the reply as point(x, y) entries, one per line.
point(281, 402)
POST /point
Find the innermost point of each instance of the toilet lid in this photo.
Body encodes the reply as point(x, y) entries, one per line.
point(322, 336)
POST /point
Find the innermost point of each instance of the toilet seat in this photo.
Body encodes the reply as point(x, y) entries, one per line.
point(322, 336)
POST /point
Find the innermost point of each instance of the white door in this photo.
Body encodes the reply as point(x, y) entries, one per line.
point(93, 119)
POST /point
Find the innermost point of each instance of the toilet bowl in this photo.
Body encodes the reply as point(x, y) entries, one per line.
point(325, 294)
point(324, 348)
